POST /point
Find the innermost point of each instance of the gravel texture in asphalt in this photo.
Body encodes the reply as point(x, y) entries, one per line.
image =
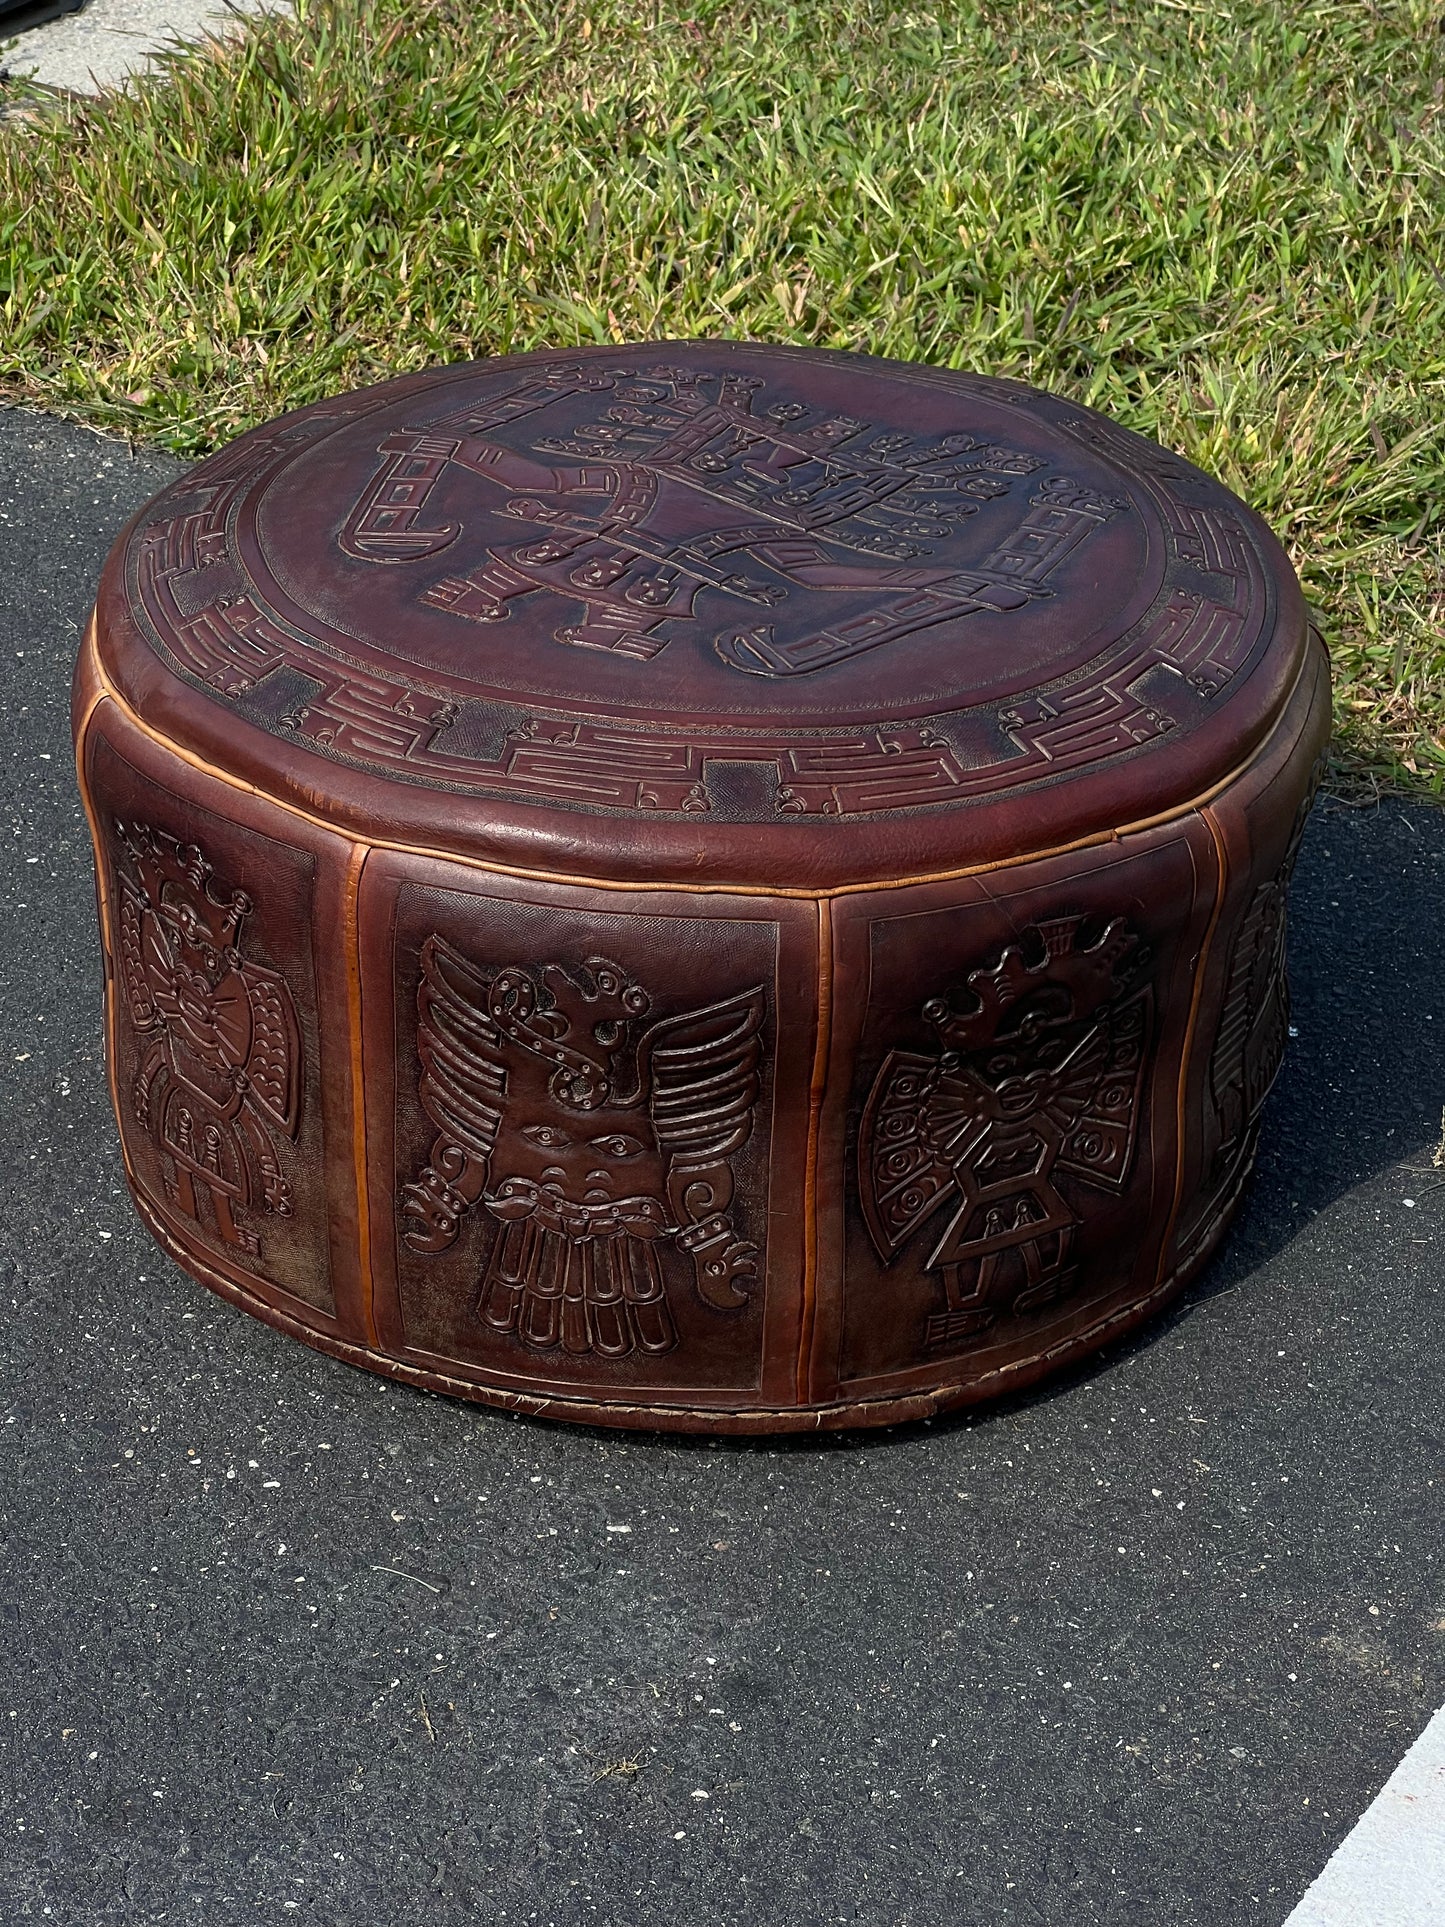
point(279, 1641)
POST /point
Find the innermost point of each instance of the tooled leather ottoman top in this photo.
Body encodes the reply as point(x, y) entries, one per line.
point(707, 611)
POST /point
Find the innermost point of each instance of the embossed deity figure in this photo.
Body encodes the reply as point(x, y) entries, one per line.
point(674, 482)
point(218, 1076)
point(1036, 1085)
point(595, 1150)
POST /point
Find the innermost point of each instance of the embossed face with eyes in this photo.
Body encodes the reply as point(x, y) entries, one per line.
point(195, 984)
point(590, 1157)
point(191, 942)
point(575, 1146)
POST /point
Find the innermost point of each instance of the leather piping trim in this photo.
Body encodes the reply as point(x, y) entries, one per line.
point(1096, 840)
point(100, 694)
point(817, 1090)
point(107, 922)
point(352, 945)
point(1186, 1062)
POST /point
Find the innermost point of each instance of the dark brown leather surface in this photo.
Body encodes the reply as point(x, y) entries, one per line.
point(172, 849)
point(730, 591)
point(594, 924)
point(700, 1119)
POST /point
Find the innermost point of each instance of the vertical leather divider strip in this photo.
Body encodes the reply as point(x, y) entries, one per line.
point(352, 942)
point(1186, 1060)
point(821, 1051)
point(102, 884)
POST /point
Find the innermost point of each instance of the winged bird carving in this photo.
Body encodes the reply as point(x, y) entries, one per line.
point(218, 1078)
point(596, 1146)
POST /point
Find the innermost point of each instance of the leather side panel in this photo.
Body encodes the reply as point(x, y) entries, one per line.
point(1244, 1015)
point(587, 1123)
point(227, 1022)
point(1003, 1121)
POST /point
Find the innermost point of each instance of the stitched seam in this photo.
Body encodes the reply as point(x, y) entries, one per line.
point(816, 1092)
point(1095, 840)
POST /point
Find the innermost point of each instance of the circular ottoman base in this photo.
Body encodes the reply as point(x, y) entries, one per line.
point(904, 1408)
point(833, 1158)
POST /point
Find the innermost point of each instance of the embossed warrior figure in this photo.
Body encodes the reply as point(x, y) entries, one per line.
point(218, 1076)
point(1037, 1083)
point(596, 1151)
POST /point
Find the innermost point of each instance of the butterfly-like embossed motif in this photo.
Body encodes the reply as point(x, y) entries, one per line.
point(1037, 1082)
point(596, 1146)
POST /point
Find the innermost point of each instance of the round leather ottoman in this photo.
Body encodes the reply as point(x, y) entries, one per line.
point(696, 885)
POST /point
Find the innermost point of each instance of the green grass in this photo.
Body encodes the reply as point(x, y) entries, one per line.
point(1223, 222)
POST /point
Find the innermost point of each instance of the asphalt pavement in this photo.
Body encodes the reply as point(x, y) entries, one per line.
point(281, 1642)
